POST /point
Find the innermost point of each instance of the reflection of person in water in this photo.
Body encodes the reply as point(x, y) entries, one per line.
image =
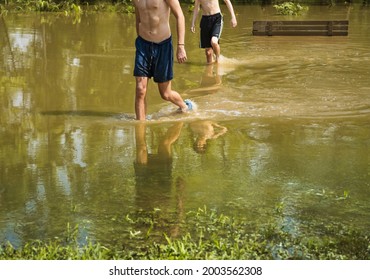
point(153, 172)
point(155, 168)
point(211, 80)
point(205, 130)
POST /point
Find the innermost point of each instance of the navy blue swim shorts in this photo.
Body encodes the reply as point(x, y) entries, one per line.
point(154, 60)
point(210, 26)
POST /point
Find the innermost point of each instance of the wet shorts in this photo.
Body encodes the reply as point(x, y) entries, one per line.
point(154, 60)
point(210, 26)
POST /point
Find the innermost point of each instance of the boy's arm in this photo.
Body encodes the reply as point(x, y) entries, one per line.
point(180, 22)
point(231, 10)
point(222, 131)
point(195, 15)
point(137, 16)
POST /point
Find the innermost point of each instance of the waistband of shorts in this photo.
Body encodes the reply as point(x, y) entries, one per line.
point(214, 15)
point(169, 39)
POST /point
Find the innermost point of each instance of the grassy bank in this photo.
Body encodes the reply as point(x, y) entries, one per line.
point(215, 236)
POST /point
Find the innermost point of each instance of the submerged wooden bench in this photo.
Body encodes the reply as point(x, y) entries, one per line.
point(300, 28)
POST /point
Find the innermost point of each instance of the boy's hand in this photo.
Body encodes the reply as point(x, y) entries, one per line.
point(181, 54)
point(234, 23)
point(192, 29)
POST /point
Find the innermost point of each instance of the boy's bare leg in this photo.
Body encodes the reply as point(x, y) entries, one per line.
point(173, 133)
point(170, 95)
point(140, 97)
point(209, 55)
point(141, 149)
point(216, 47)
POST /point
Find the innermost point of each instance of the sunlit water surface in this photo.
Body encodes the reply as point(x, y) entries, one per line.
point(282, 124)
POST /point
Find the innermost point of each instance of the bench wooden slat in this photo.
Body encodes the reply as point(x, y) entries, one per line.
point(301, 33)
point(301, 28)
point(307, 28)
point(302, 22)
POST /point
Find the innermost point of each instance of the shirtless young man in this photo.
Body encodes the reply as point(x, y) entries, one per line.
point(211, 25)
point(154, 51)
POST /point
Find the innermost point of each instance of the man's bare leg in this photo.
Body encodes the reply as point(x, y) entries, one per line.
point(140, 97)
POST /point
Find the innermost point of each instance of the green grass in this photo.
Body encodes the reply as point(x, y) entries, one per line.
point(68, 7)
point(290, 8)
point(214, 237)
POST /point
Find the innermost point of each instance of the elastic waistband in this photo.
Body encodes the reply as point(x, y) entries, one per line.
point(214, 15)
point(169, 39)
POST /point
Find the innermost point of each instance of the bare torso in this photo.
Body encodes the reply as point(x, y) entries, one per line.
point(210, 7)
point(152, 19)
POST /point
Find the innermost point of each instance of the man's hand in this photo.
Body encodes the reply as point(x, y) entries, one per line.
point(192, 29)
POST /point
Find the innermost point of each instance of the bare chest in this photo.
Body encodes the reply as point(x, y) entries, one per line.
point(150, 5)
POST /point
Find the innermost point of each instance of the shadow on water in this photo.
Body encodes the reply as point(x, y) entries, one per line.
point(88, 113)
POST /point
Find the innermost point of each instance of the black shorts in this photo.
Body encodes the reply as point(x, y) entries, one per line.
point(154, 60)
point(210, 26)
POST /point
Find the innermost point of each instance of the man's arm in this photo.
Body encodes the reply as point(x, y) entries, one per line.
point(231, 10)
point(195, 15)
point(180, 22)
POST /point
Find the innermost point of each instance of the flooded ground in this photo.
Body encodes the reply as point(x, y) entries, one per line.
point(282, 124)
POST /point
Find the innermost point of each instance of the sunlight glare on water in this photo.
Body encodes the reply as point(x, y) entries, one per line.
point(281, 122)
